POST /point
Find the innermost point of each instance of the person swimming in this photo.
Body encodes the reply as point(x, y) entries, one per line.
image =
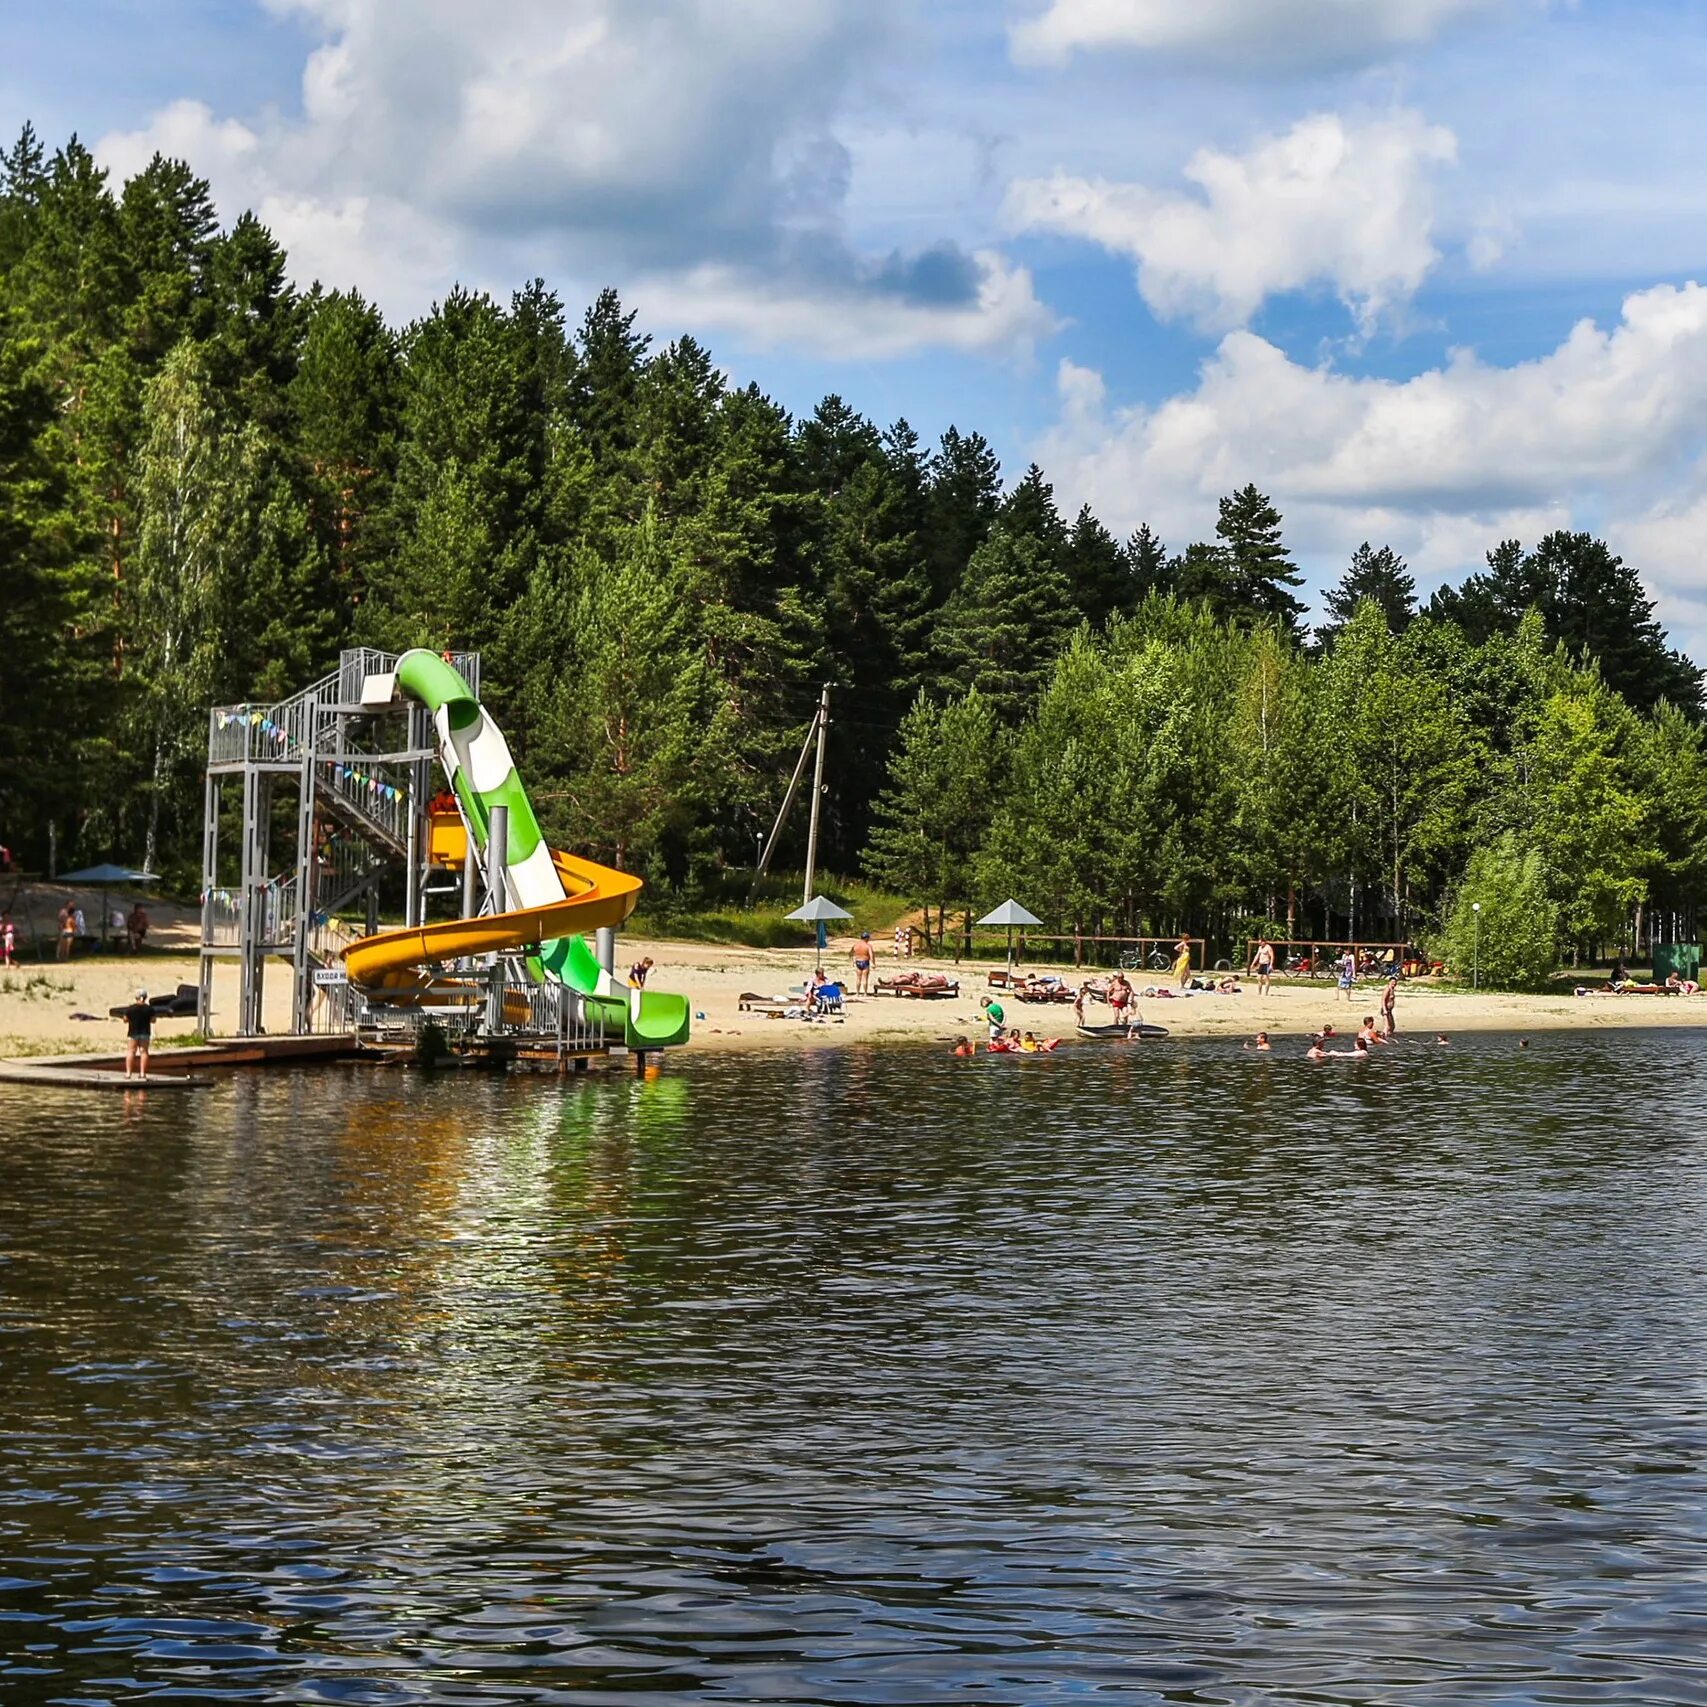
point(1262, 1042)
point(965, 1046)
point(1442, 1041)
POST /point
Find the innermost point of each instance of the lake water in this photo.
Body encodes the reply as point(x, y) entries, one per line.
point(1130, 1374)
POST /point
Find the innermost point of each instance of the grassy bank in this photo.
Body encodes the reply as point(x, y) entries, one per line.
point(734, 916)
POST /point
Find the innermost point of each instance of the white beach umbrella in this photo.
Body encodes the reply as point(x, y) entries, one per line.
point(816, 912)
point(1010, 913)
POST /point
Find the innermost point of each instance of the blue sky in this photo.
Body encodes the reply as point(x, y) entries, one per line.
point(1422, 269)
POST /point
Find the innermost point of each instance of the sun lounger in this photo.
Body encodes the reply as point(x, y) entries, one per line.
point(923, 985)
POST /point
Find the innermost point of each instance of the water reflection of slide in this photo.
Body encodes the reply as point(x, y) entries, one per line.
point(553, 897)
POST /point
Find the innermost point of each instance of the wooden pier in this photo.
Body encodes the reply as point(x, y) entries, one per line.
point(174, 1069)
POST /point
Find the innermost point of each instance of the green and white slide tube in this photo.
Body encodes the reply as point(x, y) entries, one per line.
point(477, 760)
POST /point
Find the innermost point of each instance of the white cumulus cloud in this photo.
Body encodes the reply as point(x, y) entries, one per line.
point(1241, 34)
point(1602, 432)
point(636, 142)
point(1343, 203)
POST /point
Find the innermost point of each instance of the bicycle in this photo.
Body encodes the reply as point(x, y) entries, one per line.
point(1135, 960)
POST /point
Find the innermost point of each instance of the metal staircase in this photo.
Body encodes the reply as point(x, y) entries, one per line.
point(360, 775)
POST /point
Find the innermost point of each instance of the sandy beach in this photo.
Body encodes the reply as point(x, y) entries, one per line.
point(40, 1004)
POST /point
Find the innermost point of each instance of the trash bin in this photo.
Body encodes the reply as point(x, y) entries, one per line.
point(1683, 958)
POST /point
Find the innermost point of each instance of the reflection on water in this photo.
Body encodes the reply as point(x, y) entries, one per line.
point(1159, 1374)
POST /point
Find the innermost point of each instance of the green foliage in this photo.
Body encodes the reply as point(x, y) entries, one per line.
point(1006, 622)
point(1378, 575)
point(1261, 574)
point(1590, 602)
point(944, 782)
point(210, 483)
point(1513, 944)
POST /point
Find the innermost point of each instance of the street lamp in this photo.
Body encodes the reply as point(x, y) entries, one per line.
point(1476, 960)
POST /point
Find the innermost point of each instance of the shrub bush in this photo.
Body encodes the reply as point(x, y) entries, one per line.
point(1519, 937)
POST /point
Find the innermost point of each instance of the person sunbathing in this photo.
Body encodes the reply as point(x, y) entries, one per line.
point(1681, 986)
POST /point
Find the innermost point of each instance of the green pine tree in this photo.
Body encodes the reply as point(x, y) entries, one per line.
point(1003, 628)
point(1376, 574)
point(1262, 574)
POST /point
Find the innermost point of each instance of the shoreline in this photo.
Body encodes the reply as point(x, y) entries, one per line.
point(35, 1012)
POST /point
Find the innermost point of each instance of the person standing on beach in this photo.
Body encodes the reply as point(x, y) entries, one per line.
point(863, 956)
point(1182, 961)
point(997, 1016)
point(8, 939)
point(1388, 997)
point(139, 1034)
point(1348, 973)
point(1263, 963)
point(67, 932)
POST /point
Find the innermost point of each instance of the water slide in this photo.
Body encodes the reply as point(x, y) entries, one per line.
point(552, 899)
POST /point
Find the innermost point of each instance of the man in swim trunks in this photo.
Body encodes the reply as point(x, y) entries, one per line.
point(1388, 997)
point(863, 955)
point(1262, 963)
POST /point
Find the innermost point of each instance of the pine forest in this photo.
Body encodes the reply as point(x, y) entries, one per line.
point(211, 481)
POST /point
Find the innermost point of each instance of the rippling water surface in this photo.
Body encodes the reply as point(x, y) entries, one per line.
point(1142, 1375)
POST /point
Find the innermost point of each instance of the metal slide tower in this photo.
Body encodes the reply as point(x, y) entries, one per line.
point(324, 796)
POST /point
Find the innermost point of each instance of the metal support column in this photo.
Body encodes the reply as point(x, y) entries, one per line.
point(307, 899)
point(249, 910)
point(497, 855)
point(210, 880)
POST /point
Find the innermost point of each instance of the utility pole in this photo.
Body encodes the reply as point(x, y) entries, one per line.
point(817, 793)
point(787, 800)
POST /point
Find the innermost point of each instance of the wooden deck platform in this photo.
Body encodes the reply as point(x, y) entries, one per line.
point(43, 1071)
point(174, 1069)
